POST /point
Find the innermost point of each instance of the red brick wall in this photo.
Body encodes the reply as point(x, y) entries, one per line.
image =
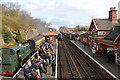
point(80, 38)
point(84, 39)
point(91, 28)
point(104, 47)
point(113, 15)
point(118, 41)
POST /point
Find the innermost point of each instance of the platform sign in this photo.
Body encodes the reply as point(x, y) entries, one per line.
point(118, 56)
point(94, 44)
point(112, 48)
point(101, 33)
point(84, 40)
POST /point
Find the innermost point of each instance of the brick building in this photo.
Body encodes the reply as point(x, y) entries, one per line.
point(112, 42)
point(100, 29)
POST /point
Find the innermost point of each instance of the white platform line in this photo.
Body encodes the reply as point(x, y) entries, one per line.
point(56, 59)
point(97, 62)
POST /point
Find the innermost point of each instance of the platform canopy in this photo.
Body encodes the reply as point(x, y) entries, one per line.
point(51, 33)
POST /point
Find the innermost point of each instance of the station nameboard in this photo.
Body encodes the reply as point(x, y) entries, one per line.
point(101, 33)
point(111, 48)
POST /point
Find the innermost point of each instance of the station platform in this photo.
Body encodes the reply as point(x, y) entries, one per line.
point(111, 66)
point(49, 76)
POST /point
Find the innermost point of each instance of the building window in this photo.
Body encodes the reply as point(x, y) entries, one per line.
point(101, 33)
point(118, 56)
point(94, 32)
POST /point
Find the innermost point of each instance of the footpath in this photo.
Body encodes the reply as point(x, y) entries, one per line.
point(111, 66)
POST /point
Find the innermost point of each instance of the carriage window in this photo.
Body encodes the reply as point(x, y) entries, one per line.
point(11, 52)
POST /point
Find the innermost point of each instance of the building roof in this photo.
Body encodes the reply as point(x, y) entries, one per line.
point(85, 35)
point(37, 38)
point(56, 32)
point(107, 41)
point(52, 33)
point(113, 34)
point(13, 47)
point(104, 24)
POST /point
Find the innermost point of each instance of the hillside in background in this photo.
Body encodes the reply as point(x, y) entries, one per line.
point(17, 23)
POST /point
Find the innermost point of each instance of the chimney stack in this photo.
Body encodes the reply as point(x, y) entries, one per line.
point(119, 11)
point(113, 15)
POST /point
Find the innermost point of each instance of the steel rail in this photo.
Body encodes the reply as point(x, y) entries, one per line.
point(74, 63)
point(80, 65)
point(90, 66)
point(69, 64)
point(61, 74)
point(101, 66)
point(71, 49)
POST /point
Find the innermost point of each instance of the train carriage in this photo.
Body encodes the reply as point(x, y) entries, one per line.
point(10, 57)
point(34, 42)
point(59, 36)
point(13, 55)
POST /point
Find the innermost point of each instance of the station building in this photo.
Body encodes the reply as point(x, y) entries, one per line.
point(102, 34)
point(112, 42)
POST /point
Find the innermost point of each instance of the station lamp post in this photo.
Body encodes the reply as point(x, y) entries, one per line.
point(26, 31)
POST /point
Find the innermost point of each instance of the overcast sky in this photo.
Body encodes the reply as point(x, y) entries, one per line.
point(67, 12)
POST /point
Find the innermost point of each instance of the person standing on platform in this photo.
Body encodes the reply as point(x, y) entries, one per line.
point(45, 66)
point(33, 62)
point(36, 76)
point(20, 61)
point(93, 51)
point(29, 65)
point(47, 46)
point(26, 73)
point(32, 77)
point(100, 52)
point(109, 56)
point(84, 44)
point(53, 57)
point(37, 67)
point(42, 71)
point(53, 68)
point(97, 52)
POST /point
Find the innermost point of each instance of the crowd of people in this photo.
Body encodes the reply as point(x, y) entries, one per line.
point(36, 67)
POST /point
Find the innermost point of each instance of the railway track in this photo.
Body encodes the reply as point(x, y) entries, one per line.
point(81, 66)
point(65, 67)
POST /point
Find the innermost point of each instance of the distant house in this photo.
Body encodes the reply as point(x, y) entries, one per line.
point(52, 29)
point(68, 30)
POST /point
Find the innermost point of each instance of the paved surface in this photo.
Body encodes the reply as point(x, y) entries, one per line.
point(111, 66)
point(49, 68)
